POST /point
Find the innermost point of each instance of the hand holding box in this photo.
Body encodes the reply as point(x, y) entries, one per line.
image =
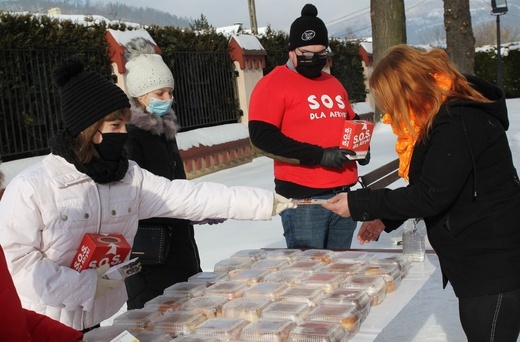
point(99, 249)
point(123, 270)
point(356, 136)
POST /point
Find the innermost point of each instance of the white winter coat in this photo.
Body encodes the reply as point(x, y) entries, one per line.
point(47, 209)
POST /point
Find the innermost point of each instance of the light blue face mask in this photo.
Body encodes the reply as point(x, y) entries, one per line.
point(159, 107)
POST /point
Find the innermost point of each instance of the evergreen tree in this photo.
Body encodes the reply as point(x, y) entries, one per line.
point(201, 24)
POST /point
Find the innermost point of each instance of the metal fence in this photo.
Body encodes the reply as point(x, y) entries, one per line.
point(29, 104)
point(205, 89)
point(205, 94)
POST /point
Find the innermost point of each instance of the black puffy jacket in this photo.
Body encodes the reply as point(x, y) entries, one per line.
point(464, 184)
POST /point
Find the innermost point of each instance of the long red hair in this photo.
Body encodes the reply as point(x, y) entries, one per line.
point(403, 82)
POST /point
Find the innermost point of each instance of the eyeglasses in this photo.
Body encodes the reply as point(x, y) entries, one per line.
point(310, 54)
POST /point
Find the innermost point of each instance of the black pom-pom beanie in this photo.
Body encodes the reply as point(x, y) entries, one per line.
point(308, 29)
point(86, 97)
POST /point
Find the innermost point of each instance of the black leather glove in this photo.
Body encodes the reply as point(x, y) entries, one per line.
point(335, 157)
point(365, 160)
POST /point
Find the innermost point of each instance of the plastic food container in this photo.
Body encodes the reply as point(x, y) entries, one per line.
point(398, 259)
point(207, 278)
point(227, 289)
point(302, 294)
point(326, 281)
point(351, 256)
point(254, 254)
point(137, 320)
point(287, 310)
point(196, 338)
point(153, 336)
point(166, 303)
point(179, 323)
point(344, 268)
point(357, 298)
point(374, 285)
point(208, 306)
point(391, 274)
point(187, 289)
point(227, 329)
point(267, 330)
point(323, 255)
point(230, 264)
point(311, 331)
point(268, 290)
point(305, 266)
point(347, 316)
point(288, 276)
point(270, 264)
point(284, 254)
point(249, 309)
point(249, 276)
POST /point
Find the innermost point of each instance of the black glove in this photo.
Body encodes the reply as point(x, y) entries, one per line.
point(335, 157)
point(365, 160)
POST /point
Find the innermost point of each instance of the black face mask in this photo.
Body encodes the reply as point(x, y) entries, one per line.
point(111, 147)
point(311, 67)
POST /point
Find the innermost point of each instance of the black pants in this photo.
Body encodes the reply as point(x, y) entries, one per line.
point(491, 318)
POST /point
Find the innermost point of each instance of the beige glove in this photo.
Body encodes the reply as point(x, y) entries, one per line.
point(104, 286)
point(281, 203)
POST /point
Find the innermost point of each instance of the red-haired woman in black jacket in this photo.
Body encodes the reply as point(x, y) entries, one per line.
point(453, 148)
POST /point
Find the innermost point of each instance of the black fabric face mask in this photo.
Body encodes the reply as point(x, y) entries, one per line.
point(100, 170)
point(111, 147)
point(310, 67)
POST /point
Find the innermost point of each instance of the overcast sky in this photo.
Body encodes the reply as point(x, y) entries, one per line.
point(277, 13)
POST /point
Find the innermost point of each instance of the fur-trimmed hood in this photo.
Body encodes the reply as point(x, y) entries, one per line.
point(157, 125)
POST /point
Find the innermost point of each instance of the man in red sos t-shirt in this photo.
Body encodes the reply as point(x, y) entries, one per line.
point(296, 117)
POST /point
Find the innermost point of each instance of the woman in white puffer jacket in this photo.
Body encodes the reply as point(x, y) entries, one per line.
point(87, 186)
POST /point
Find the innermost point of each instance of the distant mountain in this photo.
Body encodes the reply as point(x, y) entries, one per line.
point(424, 18)
point(109, 10)
point(425, 21)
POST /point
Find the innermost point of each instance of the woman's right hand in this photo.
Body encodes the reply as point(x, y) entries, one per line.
point(370, 231)
point(281, 203)
point(104, 286)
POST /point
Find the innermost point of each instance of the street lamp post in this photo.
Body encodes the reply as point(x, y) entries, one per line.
point(499, 7)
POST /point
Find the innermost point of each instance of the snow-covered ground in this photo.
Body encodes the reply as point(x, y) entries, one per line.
point(433, 316)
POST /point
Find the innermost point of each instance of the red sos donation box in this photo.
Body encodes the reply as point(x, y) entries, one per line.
point(99, 249)
point(356, 137)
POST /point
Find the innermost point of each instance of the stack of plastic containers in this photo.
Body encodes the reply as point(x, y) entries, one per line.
point(269, 295)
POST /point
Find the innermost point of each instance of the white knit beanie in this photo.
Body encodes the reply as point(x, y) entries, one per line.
point(146, 73)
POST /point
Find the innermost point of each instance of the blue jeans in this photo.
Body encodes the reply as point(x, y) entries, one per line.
point(312, 226)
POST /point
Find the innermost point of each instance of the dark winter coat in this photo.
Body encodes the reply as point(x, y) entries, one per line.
point(153, 146)
point(464, 184)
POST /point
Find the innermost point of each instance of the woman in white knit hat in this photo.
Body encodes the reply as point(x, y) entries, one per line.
point(152, 144)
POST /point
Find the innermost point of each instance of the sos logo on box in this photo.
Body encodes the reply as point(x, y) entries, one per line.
point(356, 136)
point(99, 249)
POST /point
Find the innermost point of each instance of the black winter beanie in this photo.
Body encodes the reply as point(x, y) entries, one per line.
point(86, 97)
point(308, 29)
